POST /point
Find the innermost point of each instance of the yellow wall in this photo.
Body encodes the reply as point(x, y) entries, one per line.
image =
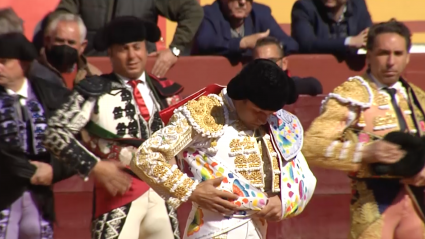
point(381, 10)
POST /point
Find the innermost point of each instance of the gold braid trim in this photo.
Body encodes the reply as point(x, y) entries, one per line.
point(366, 221)
point(327, 143)
point(355, 92)
point(420, 94)
point(206, 115)
point(152, 166)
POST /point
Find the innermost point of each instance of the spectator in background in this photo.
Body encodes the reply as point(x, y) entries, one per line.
point(61, 59)
point(270, 48)
point(231, 28)
point(9, 21)
point(97, 13)
point(337, 27)
point(27, 169)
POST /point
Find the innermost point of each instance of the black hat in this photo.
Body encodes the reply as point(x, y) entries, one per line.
point(125, 29)
point(16, 46)
point(411, 164)
point(265, 84)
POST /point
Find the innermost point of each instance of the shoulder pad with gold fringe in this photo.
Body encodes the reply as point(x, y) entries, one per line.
point(355, 91)
point(206, 115)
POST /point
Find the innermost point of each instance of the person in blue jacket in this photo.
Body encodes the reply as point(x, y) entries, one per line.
point(231, 28)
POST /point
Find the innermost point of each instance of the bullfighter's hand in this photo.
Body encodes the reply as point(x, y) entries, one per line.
point(207, 196)
point(272, 211)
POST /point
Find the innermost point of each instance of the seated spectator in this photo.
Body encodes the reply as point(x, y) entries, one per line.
point(270, 48)
point(97, 13)
point(337, 27)
point(10, 22)
point(61, 57)
point(232, 27)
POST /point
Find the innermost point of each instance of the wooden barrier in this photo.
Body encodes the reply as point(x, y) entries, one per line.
point(327, 215)
point(196, 72)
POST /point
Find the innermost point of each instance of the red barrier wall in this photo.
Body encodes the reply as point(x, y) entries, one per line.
point(326, 217)
point(196, 72)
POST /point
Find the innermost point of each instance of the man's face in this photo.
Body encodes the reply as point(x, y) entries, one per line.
point(66, 33)
point(129, 60)
point(10, 71)
point(250, 114)
point(238, 9)
point(388, 58)
point(334, 3)
point(271, 52)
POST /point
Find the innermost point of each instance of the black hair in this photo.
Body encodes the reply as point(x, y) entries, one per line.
point(391, 26)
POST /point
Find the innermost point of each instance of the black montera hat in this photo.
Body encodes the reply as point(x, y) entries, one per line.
point(125, 29)
point(265, 84)
point(16, 46)
point(411, 164)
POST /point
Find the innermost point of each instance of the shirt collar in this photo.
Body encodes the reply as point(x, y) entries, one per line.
point(22, 92)
point(381, 86)
point(228, 103)
point(124, 80)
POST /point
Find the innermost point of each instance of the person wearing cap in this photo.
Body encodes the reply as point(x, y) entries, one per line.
point(27, 169)
point(115, 113)
point(242, 152)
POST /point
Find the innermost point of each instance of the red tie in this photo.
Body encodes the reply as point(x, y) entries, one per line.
point(139, 99)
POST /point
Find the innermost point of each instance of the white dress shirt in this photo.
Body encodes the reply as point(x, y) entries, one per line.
point(25, 92)
point(397, 86)
point(144, 90)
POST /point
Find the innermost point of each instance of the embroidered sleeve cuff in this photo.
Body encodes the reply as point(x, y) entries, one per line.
point(357, 157)
point(345, 156)
point(79, 159)
point(345, 151)
point(183, 186)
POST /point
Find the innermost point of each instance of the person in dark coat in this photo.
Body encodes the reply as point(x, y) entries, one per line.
point(231, 29)
point(337, 27)
point(27, 169)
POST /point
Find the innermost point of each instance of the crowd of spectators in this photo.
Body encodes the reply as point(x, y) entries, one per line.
point(229, 28)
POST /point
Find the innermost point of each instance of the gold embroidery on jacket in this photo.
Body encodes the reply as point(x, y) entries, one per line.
point(382, 100)
point(385, 122)
point(151, 163)
point(207, 113)
point(247, 160)
point(324, 143)
point(365, 216)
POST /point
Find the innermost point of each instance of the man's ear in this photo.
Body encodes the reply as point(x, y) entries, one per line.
point(285, 63)
point(83, 47)
point(46, 40)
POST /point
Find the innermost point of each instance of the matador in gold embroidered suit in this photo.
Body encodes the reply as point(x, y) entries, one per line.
point(235, 140)
point(350, 135)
